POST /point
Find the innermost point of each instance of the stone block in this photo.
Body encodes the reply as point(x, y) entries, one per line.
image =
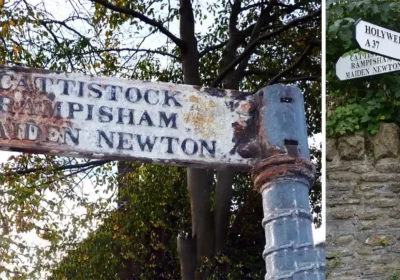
point(395, 187)
point(388, 165)
point(343, 201)
point(342, 176)
point(391, 223)
point(355, 166)
point(341, 186)
point(344, 240)
point(394, 213)
point(370, 186)
point(331, 149)
point(340, 213)
point(365, 250)
point(351, 147)
point(386, 141)
point(381, 202)
point(328, 239)
point(379, 177)
point(340, 226)
point(381, 240)
point(395, 248)
point(368, 216)
point(366, 225)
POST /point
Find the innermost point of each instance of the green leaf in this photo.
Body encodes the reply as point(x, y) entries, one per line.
point(338, 10)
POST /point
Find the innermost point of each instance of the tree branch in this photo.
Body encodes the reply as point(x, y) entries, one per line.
point(296, 79)
point(304, 54)
point(65, 167)
point(212, 48)
point(266, 36)
point(289, 9)
point(234, 16)
point(248, 7)
point(143, 18)
point(264, 15)
point(131, 49)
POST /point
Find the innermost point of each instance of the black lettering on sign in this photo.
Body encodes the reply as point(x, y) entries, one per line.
point(6, 104)
point(24, 83)
point(3, 134)
point(28, 106)
point(43, 87)
point(104, 115)
point(146, 143)
point(113, 91)
point(74, 107)
point(109, 140)
point(123, 143)
point(145, 117)
point(73, 137)
point(32, 132)
point(69, 86)
point(191, 148)
point(147, 96)
point(53, 134)
point(3, 79)
point(164, 120)
point(49, 110)
point(121, 116)
point(66, 85)
point(168, 96)
point(80, 91)
point(90, 112)
point(170, 150)
point(210, 150)
point(133, 95)
point(96, 89)
point(15, 132)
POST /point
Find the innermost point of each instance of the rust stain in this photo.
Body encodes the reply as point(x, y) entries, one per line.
point(194, 99)
point(29, 110)
point(247, 107)
point(202, 117)
point(282, 166)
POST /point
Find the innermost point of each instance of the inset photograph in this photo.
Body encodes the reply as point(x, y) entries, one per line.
point(363, 140)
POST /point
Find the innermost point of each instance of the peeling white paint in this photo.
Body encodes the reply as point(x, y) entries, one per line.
point(82, 115)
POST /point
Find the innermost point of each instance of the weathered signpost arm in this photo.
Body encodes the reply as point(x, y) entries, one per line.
point(98, 117)
point(283, 176)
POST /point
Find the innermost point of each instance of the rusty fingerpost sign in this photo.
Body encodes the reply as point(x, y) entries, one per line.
point(80, 115)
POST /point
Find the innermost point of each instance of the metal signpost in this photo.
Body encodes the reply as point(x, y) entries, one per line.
point(97, 117)
point(377, 39)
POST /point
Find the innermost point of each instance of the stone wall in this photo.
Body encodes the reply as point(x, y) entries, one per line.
point(363, 205)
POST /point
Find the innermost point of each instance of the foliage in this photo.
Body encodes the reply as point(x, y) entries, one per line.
point(395, 275)
point(333, 262)
point(61, 200)
point(359, 104)
point(154, 215)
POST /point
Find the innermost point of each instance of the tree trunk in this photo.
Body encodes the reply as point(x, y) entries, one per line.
point(199, 180)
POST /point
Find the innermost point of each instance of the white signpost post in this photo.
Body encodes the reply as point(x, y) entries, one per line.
point(377, 39)
point(98, 117)
point(359, 65)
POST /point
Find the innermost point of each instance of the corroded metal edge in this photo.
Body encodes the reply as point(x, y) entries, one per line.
point(282, 167)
